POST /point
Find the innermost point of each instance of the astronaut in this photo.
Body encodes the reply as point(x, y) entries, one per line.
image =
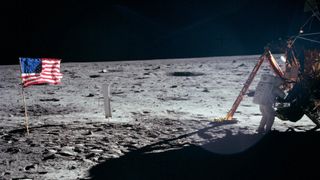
point(267, 90)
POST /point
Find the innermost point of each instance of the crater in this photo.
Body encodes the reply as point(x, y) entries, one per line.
point(186, 73)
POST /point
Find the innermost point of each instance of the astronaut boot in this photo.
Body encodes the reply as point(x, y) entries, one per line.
point(261, 130)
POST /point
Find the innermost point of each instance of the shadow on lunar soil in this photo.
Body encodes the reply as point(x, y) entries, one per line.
point(186, 73)
point(277, 155)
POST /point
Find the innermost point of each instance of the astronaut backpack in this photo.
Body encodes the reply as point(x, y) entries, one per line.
point(264, 89)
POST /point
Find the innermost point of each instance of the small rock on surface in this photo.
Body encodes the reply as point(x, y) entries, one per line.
point(30, 167)
point(90, 95)
point(103, 71)
point(67, 151)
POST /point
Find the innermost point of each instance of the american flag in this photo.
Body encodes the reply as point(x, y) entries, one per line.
point(40, 71)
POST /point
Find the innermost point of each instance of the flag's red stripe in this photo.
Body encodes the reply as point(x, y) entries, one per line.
point(25, 80)
point(51, 70)
point(27, 77)
point(51, 73)
point(41, 81)
point(51, 77)
point(42, 78)
point(45, 75)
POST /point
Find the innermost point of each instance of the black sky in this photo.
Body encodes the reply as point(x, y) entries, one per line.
point(83, 30)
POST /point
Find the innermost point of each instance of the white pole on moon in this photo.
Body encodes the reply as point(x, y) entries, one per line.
point(107, 104)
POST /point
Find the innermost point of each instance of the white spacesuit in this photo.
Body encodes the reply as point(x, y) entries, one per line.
point(265, 95)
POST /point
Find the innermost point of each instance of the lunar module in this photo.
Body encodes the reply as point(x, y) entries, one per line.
point(304, 96)
point(301, 73)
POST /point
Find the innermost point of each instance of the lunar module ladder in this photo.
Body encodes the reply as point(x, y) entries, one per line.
point(275, 67)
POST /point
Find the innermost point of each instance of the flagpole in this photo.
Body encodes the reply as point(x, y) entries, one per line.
point(25, 111)
point(24, 102)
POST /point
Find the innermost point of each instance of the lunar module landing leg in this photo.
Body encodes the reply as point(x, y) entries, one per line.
point(276, 68)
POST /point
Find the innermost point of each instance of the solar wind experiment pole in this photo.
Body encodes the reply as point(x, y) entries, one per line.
point(107, 104)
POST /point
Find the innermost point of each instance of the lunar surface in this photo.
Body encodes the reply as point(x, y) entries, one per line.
point(161, 127)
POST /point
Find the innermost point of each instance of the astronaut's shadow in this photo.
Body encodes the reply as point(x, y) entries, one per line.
point(276, 155)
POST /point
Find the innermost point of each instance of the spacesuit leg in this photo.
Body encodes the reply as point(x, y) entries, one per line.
point(264, 119)
point(270, 117)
